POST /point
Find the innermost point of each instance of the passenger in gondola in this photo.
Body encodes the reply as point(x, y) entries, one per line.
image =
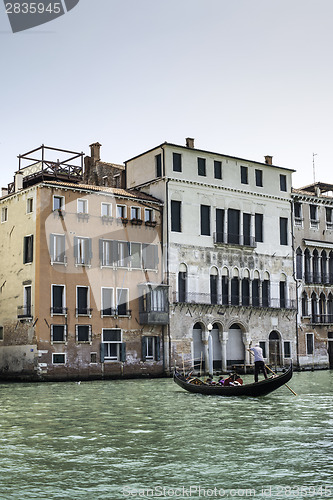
point(221, 380)
point(229, 381)
point(209, 380)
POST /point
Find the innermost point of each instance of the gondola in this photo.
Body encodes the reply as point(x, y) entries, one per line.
point(260, 388)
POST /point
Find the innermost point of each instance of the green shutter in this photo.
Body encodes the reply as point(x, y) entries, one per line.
point(143, 348)
point(102, 352)
point(123, 352)
point(157, 348)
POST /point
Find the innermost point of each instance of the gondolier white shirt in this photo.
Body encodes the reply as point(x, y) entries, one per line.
point(257, 351)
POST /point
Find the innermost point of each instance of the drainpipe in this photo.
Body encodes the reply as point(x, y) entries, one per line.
point(294, 276)
point(166, 214)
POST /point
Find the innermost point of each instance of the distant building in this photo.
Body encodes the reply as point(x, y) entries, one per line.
point(228, 252)
point(81, 279)
point(313, 232)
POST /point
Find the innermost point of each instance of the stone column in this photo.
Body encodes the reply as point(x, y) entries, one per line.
point(246, 341)
point(224, 350)
point(206, 350)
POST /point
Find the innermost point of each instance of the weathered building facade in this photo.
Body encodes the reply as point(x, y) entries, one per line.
point(313, 233)
point(81, 283)
point(228, 254)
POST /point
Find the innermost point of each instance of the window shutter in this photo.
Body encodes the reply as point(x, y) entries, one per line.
point(52, 247)
point(157, 348)
point(155, 256)
point(101, 250)
point(123, 352)
point(144, 348)
point(114, 247)
point(90, 249)
point(102, 352)
point(51, 328)
point(76, 247)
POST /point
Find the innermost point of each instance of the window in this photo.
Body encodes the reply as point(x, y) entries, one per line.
point(255, 293)
point(258, 222)
point(225, 290)
point(107, 302)
point(299, 264)
point(205, 220)
point(202, 166)
point(58, 300)
point(282, 288)
point(182, 286)
point(149, 256)
point(82, 251)
point(283, 231)
point(112, 347)
point(244, 175)
point(57, 249)
point(177, 162)
point(298, 213)
point(123, 253)
point(122, 302)
point(1, 332)
point(265, 293)
point(314, 216)
point(136, 256)
point(106, 209)
point(4, 214)
point(58, 359)
point(219, 236)
point(121, 211)
point(158, 301)
point(305, 309)
point(135, 213)
point(149, 215)
point(82, 301)
point(245, 292)
point(258, 174)
point(83, 333)
point(93, 358)
point(27, 312)
point(82, 206)
point(158, 165)
point(58, 202)
point(213, 288)
point(233, 225)
point(329, 218)
point(28, 244)
point(246, 229)
point(217, 169)
point(287, 349)
point(30, 205)
point(150, 348)
point(263, 347)
point(108, 252)
point(283, 182)
point(235, 291)
point(309, 344)
point(176, 216)
point(58, 333)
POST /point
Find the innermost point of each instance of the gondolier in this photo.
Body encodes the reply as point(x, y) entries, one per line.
point(259, 363)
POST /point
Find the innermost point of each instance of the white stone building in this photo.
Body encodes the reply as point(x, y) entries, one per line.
point(228, 254)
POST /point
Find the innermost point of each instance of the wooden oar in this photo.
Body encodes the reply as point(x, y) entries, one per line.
point(268, 368)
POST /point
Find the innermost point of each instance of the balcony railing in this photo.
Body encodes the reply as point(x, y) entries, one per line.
point(59, 310)
point(24, 311)
point(324, 319)
point(234, 239)
point(83, 311)
point(318, 278)
point(112, 312)
point(235, 300)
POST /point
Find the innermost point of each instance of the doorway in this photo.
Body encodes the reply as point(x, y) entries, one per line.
point(274, 348)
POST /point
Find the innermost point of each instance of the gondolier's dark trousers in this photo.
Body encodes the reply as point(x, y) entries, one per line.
point(259, 366)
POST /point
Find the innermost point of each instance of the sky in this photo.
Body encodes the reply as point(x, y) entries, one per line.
point(244, 78)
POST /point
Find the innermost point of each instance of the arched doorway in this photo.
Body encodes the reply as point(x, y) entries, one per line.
point(216, 347)
point(274, 348)
point(198, 348)
point(235, 346)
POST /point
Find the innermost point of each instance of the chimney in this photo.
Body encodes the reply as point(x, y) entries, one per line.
point(189, 142)
point(18, 181)
point(95, 151)
point(4, 192)
point(269, 160)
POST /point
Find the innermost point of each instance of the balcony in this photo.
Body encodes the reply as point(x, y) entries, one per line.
point(234, 239)
point(59, 311)
point(321, 319)
point(83, 311)
point(153, 304)
point(24, 312)
point(136, 222)
point(235, 300)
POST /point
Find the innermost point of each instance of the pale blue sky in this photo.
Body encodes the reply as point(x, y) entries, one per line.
point(244, 78)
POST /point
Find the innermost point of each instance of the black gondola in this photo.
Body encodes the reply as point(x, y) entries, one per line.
point(261, 388)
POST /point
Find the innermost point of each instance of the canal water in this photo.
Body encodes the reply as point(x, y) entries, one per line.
point(150, 439)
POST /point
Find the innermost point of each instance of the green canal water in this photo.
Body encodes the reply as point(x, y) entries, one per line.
point(149, 439)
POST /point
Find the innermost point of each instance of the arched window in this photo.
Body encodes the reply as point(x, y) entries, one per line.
point(283, 290)
point(182, 283)
point(331, 267)
point(322, 308)
point(225, 286)
point(299, 264)
point(255, 290)
point(305, 311)
point(315, 266)
point(307, 265)
point(266, 291)
point(235, 289)
point(213, 285)
point(314, 310)
point(324, 274)
point(246, 289)
point(330, 308)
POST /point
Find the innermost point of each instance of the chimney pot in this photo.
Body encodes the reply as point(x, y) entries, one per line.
point(269, 160)
point(4, 192)
point(95, 151)
point(18, 182)
point(189, 142)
